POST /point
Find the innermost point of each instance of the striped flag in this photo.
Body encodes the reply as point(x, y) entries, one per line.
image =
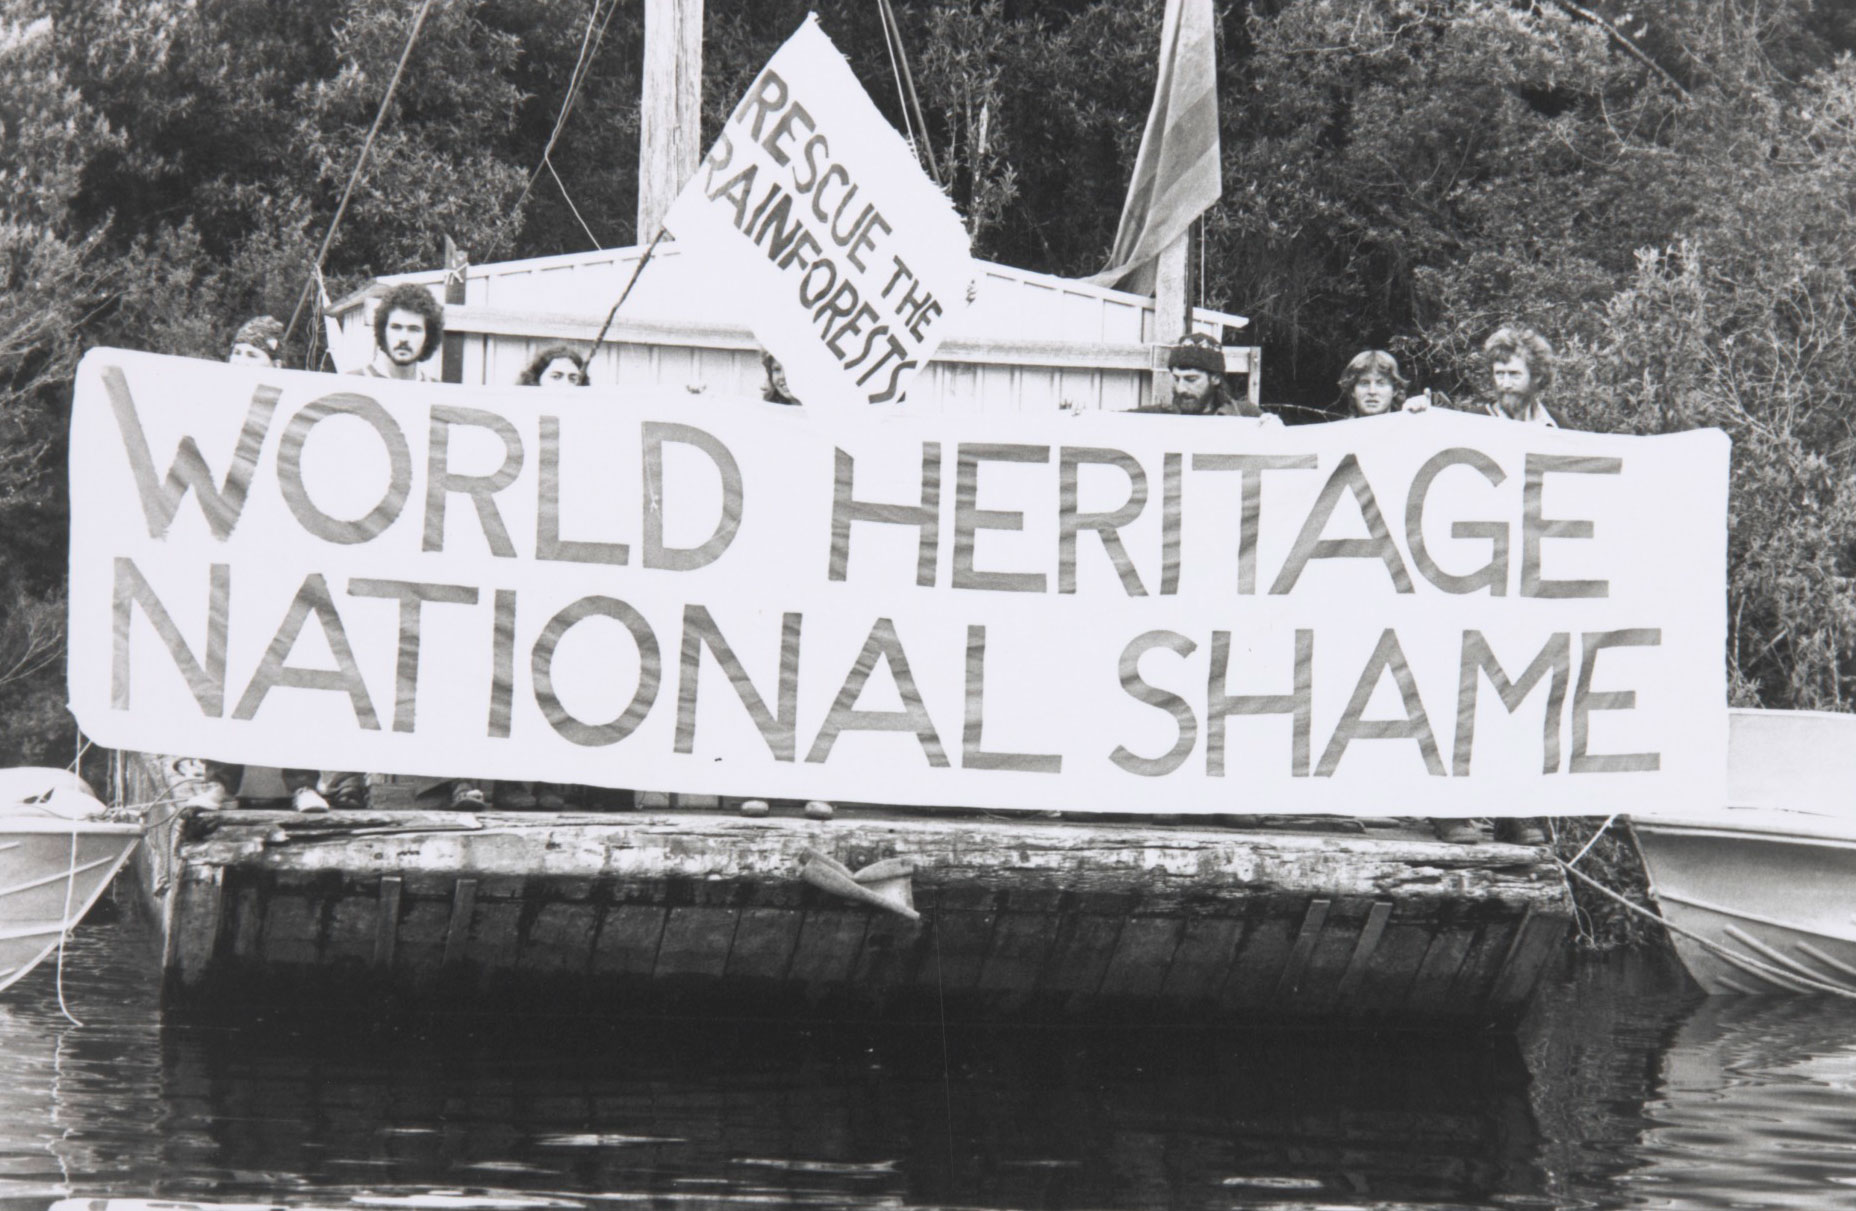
point(1176, 174)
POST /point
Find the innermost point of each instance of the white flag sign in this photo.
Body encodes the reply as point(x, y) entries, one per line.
point(851, 263)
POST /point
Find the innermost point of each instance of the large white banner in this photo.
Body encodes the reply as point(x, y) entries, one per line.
point(1430, 615)
point(849, 261)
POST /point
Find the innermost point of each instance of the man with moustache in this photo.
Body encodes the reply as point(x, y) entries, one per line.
point(409, 327)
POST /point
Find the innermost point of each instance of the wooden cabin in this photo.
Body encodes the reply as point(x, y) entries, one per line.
point(1029, 342)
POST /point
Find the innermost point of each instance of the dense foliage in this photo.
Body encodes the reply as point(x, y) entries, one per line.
point(1664, 187)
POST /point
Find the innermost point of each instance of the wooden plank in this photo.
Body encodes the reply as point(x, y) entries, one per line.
point(1021, 943)
point(387, 922)
point(457, 929)
point(829, 942)
point(1143, 954)
point(1391, 969)
point(1469, 991)
point(1535, 943)
point(1085, 945)
point(496, 933)
point(960, 942)
point(559, 938)
point(1203, 959)
point(199, 895)
point(1363, 948)
point(894, 952)
point(451, 349)
point(248, 925)
point(1261, 954)
point(291, 924)
point(424, 924)
point(1430, 987)
point(628, 937)
point(765, 938)
point(1306, 936)
point(696, 941)
point(1317, 993)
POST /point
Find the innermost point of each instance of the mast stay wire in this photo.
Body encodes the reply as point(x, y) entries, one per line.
point(582, 66)
point(899, 64)
point(360, 161)
point(895, 70)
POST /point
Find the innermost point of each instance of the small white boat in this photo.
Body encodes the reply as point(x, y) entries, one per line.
point(1760, 895)
point(57, 854)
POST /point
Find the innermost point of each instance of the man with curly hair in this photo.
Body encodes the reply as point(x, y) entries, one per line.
point(409, 327)
point(1520, 363)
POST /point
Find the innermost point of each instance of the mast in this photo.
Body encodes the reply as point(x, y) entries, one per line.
point(1172, 305)
point(670, 110)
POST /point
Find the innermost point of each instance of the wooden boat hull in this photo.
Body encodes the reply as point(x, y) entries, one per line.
point(51, 872)
point(1760, 895)
point(708, 912)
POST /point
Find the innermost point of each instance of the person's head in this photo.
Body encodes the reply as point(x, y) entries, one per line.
point(259, 341)
point(1520, 366)
point(1371, 383)
point(1197, 367)
point(555, 366)
point(409, 324)
point(775, 389)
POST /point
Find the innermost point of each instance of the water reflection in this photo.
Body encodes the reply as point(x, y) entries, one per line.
point(1626, 1090)
point(1756, 1108)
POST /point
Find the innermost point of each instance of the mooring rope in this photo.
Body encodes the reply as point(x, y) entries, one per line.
point(1777, 974)
point(1587, 847)
point(947, 1068)
point(64, 927)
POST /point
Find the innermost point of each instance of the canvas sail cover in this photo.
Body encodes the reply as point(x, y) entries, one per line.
point(1176, 173)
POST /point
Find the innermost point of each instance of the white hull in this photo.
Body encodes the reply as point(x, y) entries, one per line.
point(1760, 895)
point(55, 862)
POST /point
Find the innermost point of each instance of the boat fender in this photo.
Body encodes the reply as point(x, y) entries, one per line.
point(882, 884)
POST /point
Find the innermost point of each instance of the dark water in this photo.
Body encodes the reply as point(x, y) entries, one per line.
point(1624, 1091)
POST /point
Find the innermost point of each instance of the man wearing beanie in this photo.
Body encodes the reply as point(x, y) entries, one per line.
point(258, 340)
point(1197, 367)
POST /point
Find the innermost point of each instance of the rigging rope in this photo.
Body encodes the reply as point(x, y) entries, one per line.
point(895, 70)
point(899, 63)
point(582, 65)
point(570, 205)
point(360, 161)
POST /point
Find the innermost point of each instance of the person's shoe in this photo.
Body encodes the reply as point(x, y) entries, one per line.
point(1520, 832)
point(466, 796)
point(550, 799)
point(308, 799)
point(754, 807)
point(1456, 832)
point(345, 792)
point(818, 809)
